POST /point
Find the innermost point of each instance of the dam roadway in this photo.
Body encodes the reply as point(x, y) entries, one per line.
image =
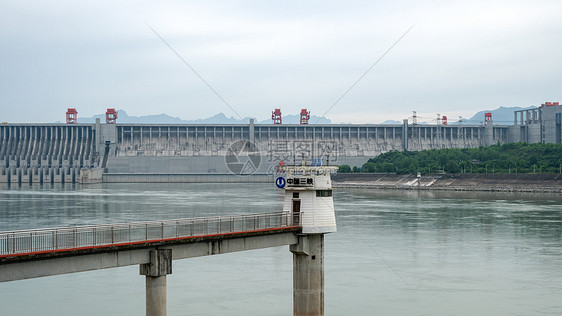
point(86, 153)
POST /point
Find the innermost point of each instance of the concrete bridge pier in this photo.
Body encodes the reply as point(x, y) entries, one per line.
point(308, 275)
point(155, 271)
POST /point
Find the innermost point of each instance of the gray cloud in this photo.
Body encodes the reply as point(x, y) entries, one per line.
point(460, 57)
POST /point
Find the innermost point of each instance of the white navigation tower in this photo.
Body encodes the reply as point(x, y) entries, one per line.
point(308, 198)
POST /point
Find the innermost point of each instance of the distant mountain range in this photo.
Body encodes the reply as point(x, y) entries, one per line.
point(391, 122)
point(221, 118)
point(502, 115)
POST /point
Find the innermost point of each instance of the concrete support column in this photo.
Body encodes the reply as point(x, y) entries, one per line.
point(251, 131)
point(97, 136)
point(308, 275)
point(155, 295)
point(160, 265)
point(405, 134)
point(489, 133)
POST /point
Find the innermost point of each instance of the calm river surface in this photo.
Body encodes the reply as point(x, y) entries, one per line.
point(396, 253)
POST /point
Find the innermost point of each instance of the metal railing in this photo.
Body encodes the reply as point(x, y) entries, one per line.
point(36, 241)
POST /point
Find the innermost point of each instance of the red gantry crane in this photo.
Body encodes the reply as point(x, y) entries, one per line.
point(487, 117)
point(305, 116)
point(71, 116)
point(110, 116)
point(276, 116)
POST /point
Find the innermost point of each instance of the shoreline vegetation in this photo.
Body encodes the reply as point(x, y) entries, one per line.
point(514, 167)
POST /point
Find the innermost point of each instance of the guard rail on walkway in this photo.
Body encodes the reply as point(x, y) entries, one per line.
point(50, 240)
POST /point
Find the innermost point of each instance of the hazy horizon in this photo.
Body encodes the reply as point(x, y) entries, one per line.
point(459, 58)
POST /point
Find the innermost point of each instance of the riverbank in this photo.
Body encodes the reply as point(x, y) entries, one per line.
point(551, 183)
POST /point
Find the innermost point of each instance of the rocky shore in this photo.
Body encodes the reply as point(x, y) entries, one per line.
point(545, 183)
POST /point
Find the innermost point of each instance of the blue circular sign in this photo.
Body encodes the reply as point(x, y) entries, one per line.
point(280, 182)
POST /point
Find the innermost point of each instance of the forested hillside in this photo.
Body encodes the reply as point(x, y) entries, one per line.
point(508, 158)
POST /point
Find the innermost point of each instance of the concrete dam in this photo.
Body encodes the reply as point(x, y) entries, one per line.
point(86, 153)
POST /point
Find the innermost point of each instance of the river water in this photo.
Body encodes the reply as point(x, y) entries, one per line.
point(395, 253)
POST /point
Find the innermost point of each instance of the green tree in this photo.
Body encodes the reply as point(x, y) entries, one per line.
point(344, 169)
point(452, 167)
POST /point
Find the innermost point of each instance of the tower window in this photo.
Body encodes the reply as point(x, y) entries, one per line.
point(323, 193)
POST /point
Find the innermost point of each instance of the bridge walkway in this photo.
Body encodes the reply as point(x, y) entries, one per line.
point(42, 252)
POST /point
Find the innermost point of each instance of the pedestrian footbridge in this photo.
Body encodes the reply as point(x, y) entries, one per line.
point(42, 252)
point(153, 245)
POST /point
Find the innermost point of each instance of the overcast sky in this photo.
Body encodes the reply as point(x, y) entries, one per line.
point(460, 57)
